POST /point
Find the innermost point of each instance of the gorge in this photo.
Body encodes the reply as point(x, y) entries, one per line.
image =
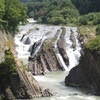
point(52, 46)
point(54, 57)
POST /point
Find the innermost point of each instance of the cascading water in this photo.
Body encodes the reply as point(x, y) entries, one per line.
point(30, 34)
point(60, 59)
point(73, 55)
point(52, 80)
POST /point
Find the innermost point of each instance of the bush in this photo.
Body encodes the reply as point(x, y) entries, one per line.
point(7, 67)
point(94, 44)
point(83, 20)
point(98, 30)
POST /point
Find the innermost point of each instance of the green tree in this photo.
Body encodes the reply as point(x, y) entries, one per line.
point(15, 12)
point(2, 12)
point(83, 20)
point(2, 9)
point(7, 67)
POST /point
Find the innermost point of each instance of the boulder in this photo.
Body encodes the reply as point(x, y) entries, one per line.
point(87, 73)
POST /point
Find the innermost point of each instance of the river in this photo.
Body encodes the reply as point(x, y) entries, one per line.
point(55, 82)
point(52, 80)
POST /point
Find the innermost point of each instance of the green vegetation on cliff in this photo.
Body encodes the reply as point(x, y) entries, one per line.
point(11, 85)
point(87, 6)
point(7, 67)
point(94, 44)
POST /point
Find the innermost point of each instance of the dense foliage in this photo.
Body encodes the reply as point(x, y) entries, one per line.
point(53, 11)
point(12, 12)
point(7, 67)
point(90, 19)
point(64, 11)
point(94, 44)
point(87, 6)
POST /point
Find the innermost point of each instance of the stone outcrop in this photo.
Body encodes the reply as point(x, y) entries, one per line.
point(27, 41)
point(22, 85)
point(46, 59)
point(73, 40)
point(87, 73)
point(34, 47)
point(62, 46)
point(22, 37)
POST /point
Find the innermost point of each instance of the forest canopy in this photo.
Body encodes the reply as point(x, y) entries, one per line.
point(64, 12)
point(12, 12)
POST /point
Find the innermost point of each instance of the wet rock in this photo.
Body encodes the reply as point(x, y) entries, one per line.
point(27, 41)
point(62, 47)
point(73, 40)
point(22, 37)
point(34, 47)
point(44, 62)
point(87, 73)
point(46, 92)
point(74, 94)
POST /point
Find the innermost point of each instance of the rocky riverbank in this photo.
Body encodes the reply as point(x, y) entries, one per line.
point(22, 84)
point(87, 73)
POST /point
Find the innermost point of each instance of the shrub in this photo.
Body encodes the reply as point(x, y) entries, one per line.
point(98, 30)
point(7, 67)
point(94, 44)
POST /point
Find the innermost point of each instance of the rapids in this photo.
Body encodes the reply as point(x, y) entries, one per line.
point(53, 80)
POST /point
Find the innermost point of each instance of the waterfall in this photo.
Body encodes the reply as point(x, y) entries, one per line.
point(37, 48)
point(29, 36)
point(73, 55)
point(60, 59)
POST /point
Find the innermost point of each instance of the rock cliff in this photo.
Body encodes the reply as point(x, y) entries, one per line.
point(21, 84)
point(87, 73)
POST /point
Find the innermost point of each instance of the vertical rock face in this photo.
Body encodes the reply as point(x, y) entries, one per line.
point(62, 46)
point(87, 73)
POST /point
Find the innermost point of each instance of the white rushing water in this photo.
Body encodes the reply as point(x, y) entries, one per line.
point(73, 55)
point(52, 80)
